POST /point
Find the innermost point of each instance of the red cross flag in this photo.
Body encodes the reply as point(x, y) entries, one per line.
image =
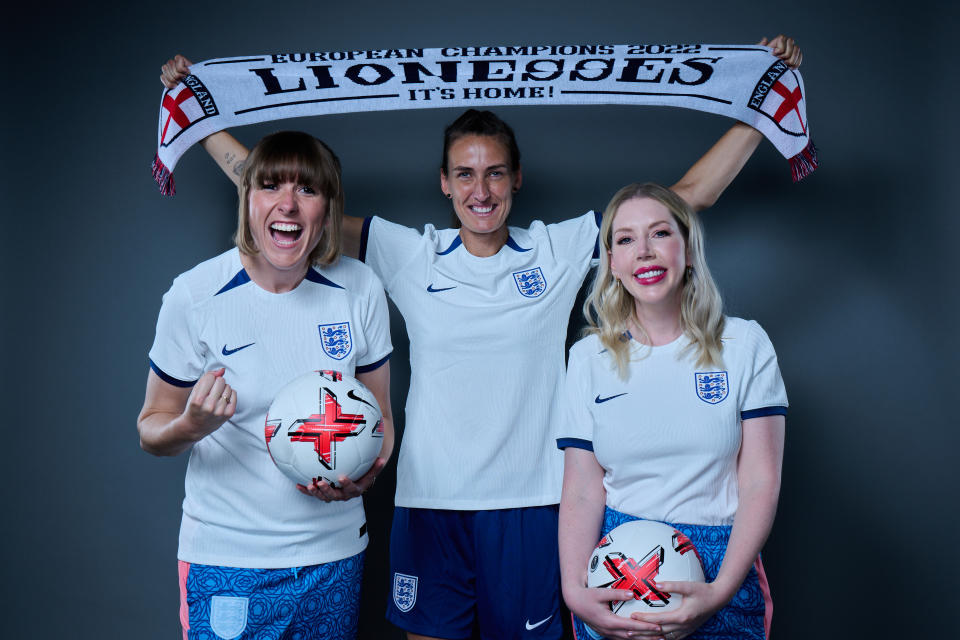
point(779, 96)
point(180, 108)
point(785, 100)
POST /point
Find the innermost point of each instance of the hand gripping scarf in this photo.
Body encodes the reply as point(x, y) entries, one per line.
point(745, 82)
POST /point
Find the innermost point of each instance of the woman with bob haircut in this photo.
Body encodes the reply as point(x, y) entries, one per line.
point(311, 162)
point(259, 555)
point(486, 307)
point(674, 413)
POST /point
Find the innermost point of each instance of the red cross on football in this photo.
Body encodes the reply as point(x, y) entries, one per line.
point(324, 425)
point(636, 556)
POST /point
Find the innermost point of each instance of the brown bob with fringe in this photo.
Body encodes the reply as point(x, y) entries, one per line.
point(298, 157)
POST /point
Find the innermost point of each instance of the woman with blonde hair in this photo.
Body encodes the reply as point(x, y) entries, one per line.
point(674, 413)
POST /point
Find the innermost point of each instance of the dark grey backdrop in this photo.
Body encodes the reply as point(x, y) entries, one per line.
point(850, 272)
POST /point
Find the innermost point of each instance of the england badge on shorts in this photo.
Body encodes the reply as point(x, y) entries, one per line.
point(404, 591)
point(228, 616)
point(531, 282)
point(336, 339)
point(712, 386)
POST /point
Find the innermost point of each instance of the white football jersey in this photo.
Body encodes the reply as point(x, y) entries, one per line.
point(486, 358)
point(668, 436)
point(239, 509)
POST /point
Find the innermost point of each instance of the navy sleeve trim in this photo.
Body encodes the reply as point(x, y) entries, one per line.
point(576, 443)
point(764, 411)
point(366, 368)
point(596, 246)
point(364, 236)
point(170, 379)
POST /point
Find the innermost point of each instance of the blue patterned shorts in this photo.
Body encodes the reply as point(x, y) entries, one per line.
point(746, 616)
point(316, 602)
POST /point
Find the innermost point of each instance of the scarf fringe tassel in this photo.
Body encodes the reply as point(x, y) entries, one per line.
point(164, 177)
point(804, 162)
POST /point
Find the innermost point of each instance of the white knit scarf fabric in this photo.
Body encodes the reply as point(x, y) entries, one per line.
point(744, 82)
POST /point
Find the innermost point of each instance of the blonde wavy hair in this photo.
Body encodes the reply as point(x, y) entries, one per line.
point(609, 307)
point(301, 158)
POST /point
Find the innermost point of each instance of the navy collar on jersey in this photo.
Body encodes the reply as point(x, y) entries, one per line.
point(315, 276)
point(243, 277)
point(458, 241)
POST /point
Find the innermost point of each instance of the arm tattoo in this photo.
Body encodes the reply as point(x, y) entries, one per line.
point(231, 160)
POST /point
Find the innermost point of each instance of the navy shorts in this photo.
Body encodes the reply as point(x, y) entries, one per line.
point(319, 602)
point(746, 617)
point(495, 570)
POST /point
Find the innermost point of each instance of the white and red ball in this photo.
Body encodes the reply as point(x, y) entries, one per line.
point(636, 556)
point(324, 425)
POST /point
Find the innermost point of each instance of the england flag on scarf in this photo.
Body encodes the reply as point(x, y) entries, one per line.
point(183, 106)
point(783, 101)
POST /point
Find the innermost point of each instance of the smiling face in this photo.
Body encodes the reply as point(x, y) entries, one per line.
point(286, 221)
point(648, 255)
point(480, 181)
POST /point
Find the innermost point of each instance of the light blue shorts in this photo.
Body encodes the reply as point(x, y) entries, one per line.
point(319, 602)
point(746, 617)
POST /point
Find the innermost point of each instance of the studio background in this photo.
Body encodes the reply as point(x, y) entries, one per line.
point(851, 272)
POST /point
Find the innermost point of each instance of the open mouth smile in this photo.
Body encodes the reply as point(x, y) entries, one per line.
point(650, 275)
point(285, 234)
point(480, 210)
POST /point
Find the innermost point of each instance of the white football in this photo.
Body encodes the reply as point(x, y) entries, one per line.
point(637, 555)
point(324, 425)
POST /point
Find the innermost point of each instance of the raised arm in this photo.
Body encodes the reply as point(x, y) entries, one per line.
point(230, 155)
point(709, 177)
point(226, 151)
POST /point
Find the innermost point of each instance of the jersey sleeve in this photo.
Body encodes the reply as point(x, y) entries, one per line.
point(387, 247)
point(764, 393)
point(376, 329)
point(175, 355)
point(577, 239)
point(576, 422)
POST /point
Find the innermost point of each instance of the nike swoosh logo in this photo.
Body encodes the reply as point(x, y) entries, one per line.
point(228, 352)
point(531, 627)
point(599, 400)
point(353, 396)
point(430, 288)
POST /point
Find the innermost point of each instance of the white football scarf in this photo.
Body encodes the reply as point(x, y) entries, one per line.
point(745, 82)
